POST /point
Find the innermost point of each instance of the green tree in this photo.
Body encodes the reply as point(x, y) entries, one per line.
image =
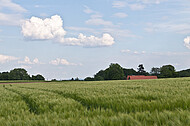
point(19, 74)
point(4, 76)
point(98, 78)
point(114, 72)
point(167, 71)
point(155, 71)
point(141, 70)
point(184, 73)
point(89, 79)
point(76, 79)
point(37, 77)
point(100, 75)
point(128, 72)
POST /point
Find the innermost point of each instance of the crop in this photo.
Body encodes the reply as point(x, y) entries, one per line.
point(141, 102)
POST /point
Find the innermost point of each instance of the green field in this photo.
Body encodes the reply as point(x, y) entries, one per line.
point(144, 102)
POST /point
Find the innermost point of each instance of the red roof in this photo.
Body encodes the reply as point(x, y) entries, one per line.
point(140, 77)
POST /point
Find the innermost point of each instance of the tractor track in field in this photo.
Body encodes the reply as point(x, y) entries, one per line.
point(90, 105)
point(76, 98)
point(32, 105)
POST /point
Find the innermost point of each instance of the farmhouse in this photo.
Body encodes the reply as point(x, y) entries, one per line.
point(140, 77)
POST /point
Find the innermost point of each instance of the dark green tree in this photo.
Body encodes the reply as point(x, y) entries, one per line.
point(89, 79)
point(101, 75)
point(37, 77)
point(98, 78)
point(19, 74)
point(167, 71)
point(184, 73)
point(128, 72)
point(76, 79)
point(114, 72)
point(4, 76)
point(141, 70)
point(155, 71)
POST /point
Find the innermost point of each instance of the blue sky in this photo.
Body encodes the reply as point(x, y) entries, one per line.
point(70, 38)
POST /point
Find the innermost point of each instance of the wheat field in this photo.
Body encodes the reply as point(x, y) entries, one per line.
point(99, 103)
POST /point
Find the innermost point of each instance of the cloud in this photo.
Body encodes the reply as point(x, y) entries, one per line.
point(10, 19)
point(91, 41)
point(59, 61)
point(133, 52)
point(11, 13)
point(99, 21)
point(49, 28)
point(152, 1)
point(119, 4)
point(126, 51)
point(187, 42)
point(52, 29)
point(136, 6)
point(87, 10)
point(28, 61)
point(119, 32)
point(81, 29)
point(25, 67)
point(96, 16)
point(5, 58)
point(120, 15)
point(10, 5)
point(182, 28)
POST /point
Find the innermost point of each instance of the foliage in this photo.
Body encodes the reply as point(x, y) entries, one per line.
point(89, 79)
point(4, 76)
point(114, 72)
point(107, 103)
point(101, 74)
point(184, 73)
point(141, 70)
point(128, 72)
point(37, 77)
point(167, 71)
point(155, 71)
point(19, 74)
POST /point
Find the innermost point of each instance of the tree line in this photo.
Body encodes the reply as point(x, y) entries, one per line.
point(113, 72)
point(116, 72)
point(19, 74)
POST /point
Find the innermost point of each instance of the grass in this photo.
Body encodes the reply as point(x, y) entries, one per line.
point(110, 103)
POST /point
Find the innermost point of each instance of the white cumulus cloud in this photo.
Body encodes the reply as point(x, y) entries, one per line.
point(28, 61)
point(5, 58)
point(49, 28)
point(52, 29)
point(91, 41)
point(187, 42)
point(59, 61)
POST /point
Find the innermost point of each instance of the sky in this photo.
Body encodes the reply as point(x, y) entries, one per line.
point(61, 39)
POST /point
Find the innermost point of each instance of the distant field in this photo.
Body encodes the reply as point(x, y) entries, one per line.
point(143, 102)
